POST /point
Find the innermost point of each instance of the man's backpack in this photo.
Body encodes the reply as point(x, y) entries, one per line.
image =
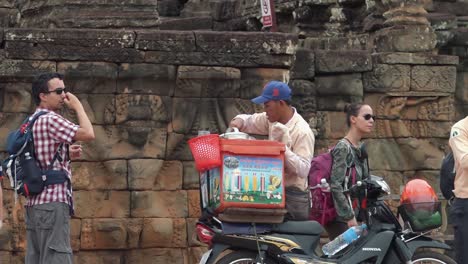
point(323, 210)
point(25, 176)
point(447, 176)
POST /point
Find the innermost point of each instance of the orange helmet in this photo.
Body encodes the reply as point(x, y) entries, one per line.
point(418, 191)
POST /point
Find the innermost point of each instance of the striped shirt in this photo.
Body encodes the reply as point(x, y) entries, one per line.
point(49, 131)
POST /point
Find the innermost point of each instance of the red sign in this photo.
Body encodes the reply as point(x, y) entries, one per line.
point(267, 19)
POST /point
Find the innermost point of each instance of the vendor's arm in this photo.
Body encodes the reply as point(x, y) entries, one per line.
point(299, 155)
point(251, 124)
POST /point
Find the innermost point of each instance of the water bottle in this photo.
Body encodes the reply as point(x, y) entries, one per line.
point(343, 240)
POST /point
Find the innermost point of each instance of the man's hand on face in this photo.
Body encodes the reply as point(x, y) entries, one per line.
point(237, 122)
point(72, 101)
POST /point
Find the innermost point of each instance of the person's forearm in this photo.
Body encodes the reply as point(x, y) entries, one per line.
point(296, 164)
point(85, 123)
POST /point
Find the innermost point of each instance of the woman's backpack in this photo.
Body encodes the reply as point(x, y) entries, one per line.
point(447, 176)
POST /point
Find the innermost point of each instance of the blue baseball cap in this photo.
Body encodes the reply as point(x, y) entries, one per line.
point(274, 90)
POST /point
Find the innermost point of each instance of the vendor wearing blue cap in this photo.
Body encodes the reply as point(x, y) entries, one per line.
point(281, 122)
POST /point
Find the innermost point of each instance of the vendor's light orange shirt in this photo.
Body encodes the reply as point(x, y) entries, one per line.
point(301, 151)
point(459, 144)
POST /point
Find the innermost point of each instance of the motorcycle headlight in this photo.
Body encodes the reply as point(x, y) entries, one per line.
point(382, 183)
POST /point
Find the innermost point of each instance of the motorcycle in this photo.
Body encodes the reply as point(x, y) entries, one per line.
point(298, 242)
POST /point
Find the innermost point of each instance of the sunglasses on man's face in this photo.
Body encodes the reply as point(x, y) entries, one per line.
point(369, 116)
point(58, 91)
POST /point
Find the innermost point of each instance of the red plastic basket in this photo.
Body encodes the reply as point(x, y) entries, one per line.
point(206, 151)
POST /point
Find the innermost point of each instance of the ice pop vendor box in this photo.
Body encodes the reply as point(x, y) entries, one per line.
point(248, 184)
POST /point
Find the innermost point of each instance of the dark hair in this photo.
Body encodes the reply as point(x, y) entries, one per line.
point(40, 84)
point(351, 110)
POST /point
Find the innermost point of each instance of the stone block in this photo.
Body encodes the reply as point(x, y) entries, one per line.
point(225, 10)
point(191, 176)
point(152, 174)
point(159, 204)
point(192, 114)
point(433, 78)
point(23, 70)
point(156, 255)
point(458, 8)
point(252, 42)
point(16, 98)
point(359, 42)
point(405, 39)
point(177, 147)
point(107, 175)
point(196, 253)
point(207, 58)
point(146, 79)
point(253, 80)
point(199, 81)
point(164, 232)
point(423, 107)
point(89, 77)
point(460, 92)
point(6, 237)
point(105, 204)
point(302, 87)
point(123, 142)
point(303, 66)
point(461, 37)
point(328, 61)
point(387, 78)
point(343, 84)
point(110, 233)
point(187, 23)
point(93, 257)
point(331, 125)
point(335, 102)
point(413, 58)
point(75, 234)
point(194, 203)
point(166, 40)
point(192, 233)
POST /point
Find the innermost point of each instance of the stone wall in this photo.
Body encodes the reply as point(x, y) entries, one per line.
point(148, 89)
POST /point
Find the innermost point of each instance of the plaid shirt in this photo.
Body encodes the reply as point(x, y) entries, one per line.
point(49, 131)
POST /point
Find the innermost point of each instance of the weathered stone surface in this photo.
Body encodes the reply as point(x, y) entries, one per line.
point(75, 233)
point(16, 97)
point(155, 255)
point(433, 78)
point(92, 257)
point(196, 81)
point(387, 78)
point(462, 93)
point(171, 41)
point(304, 64)
point(194, 203)
point(23, 71)
point(405, 39)
point(9, 17)
point(304, 99)
point(153, 174)
point(139, 110)
point(193, 114)
point(164, 232)
point(127, 142)
point(98, 14)
point(192, 233)
point(331, 125)
point(97, 106)
point(336, 103)
point(413, 58)
point(188, 23)
point(442, 21)
point(461, 37)
point(99, 78)
point(109, 233)
point(177, 147)
point(459, 8)
point(435, 108)
point(270, 43)
point(159, 204)
point(208, 58)
point(107, 175)
point(358, 42)
point(253, 80)
point(342, 61)
point(191, 177)
point(146, 79)
point(404, 154)
point(343, 84)
point(106, 204)
point(196, 253)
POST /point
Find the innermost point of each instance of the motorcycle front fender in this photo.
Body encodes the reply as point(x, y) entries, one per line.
point(425, 242)
point(216, 250)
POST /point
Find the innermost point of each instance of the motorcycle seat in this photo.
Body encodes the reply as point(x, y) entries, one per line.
point(298, 227)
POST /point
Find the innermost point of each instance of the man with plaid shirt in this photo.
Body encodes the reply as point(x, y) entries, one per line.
point(48, 213)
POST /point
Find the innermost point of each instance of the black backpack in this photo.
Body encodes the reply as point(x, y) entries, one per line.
point(447, 176)
point(25, 176)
